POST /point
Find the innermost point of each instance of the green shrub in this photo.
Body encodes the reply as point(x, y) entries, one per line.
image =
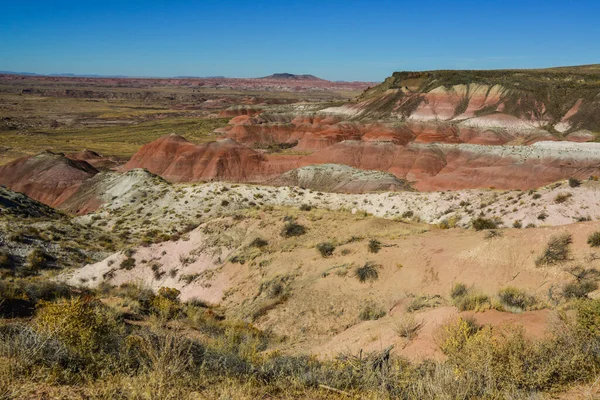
point(371, 311)
point(557, 250)
point(374, 246)
point(579, 289)
point(259, 243)
point(481, 223)
point(305, 207)
point(127, 263)
point(588, 317)
point(82, 324)
point(458, 290)
point(512, 297)
point(408, 326)
point(292, 228)
point(38, 260)
point(562, 197)
point(423, 301)
point(574, 182)
point(368, 272)
point(325, 249)
point(594, 239)
point(472, 302)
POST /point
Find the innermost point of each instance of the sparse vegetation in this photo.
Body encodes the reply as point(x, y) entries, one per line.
point(371, 311)
point(481, 223)
point(515, 299)
point(292, 228)
point(128, 263)
point(557, 250)
point(562, 197)
point(374, 246)
point(574, 182)
point(368, 272)
point(408, 326)
point(594, 239)
point(326, 249)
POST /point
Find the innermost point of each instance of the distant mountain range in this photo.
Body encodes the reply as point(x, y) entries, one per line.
point(278, 76)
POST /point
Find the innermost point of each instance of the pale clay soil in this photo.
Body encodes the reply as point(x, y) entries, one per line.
point(416, 260)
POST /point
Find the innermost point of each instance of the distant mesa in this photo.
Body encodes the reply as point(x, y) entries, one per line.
point(292, 77)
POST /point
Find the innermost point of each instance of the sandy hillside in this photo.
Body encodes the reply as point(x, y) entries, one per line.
point(269, 283)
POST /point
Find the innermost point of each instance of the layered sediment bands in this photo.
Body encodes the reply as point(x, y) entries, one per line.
point(564, 100)
point(107, 186)
point(47, 177)
point(316, 132)
point(94, 159)
point(429, 166)
point(341, 179)
point(177, 160)
point(462, 166)
point(239, 111)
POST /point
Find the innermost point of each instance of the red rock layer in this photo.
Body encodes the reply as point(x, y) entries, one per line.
point(178, 160)
point(47, 177)
point(94, 159)
point(310, 133)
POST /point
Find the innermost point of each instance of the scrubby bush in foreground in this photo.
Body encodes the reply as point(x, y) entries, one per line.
point(594, 239)
point(557, 250)
point(292, 228)
point(368, 272)
point(325, 249)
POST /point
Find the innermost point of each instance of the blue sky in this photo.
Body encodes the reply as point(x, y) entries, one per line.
point(337, 40)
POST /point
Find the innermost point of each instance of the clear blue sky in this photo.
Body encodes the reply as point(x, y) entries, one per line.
point(337, 40)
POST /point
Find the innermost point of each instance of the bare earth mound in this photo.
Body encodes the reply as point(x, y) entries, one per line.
point(340, 178)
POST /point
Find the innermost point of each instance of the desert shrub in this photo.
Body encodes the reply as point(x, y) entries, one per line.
point(368, 272)
point(517, 224)
point(493, 233)
point(542, 216)
point(292, 228)
point(579, 289)
point(169, 293)
point(408, 326)
point(454, 335)
point(259, 243)
point(371, 311)
point(481, 223)
point(82, 324)
point(574, 182)
point(374, 246)
point(420, 302)
point(305, 207)
point(466, 300)
point(38, 260)
point(594, 239)
point(588, 317)
point(506, 361)
point(458, 290)
point(166, 304)
point(128, 263)
point(557, 250)
point(5, 260)
point(514, 298)
point(408, 214)
point(562, 197)
point(325, 249)
point(536, 196)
